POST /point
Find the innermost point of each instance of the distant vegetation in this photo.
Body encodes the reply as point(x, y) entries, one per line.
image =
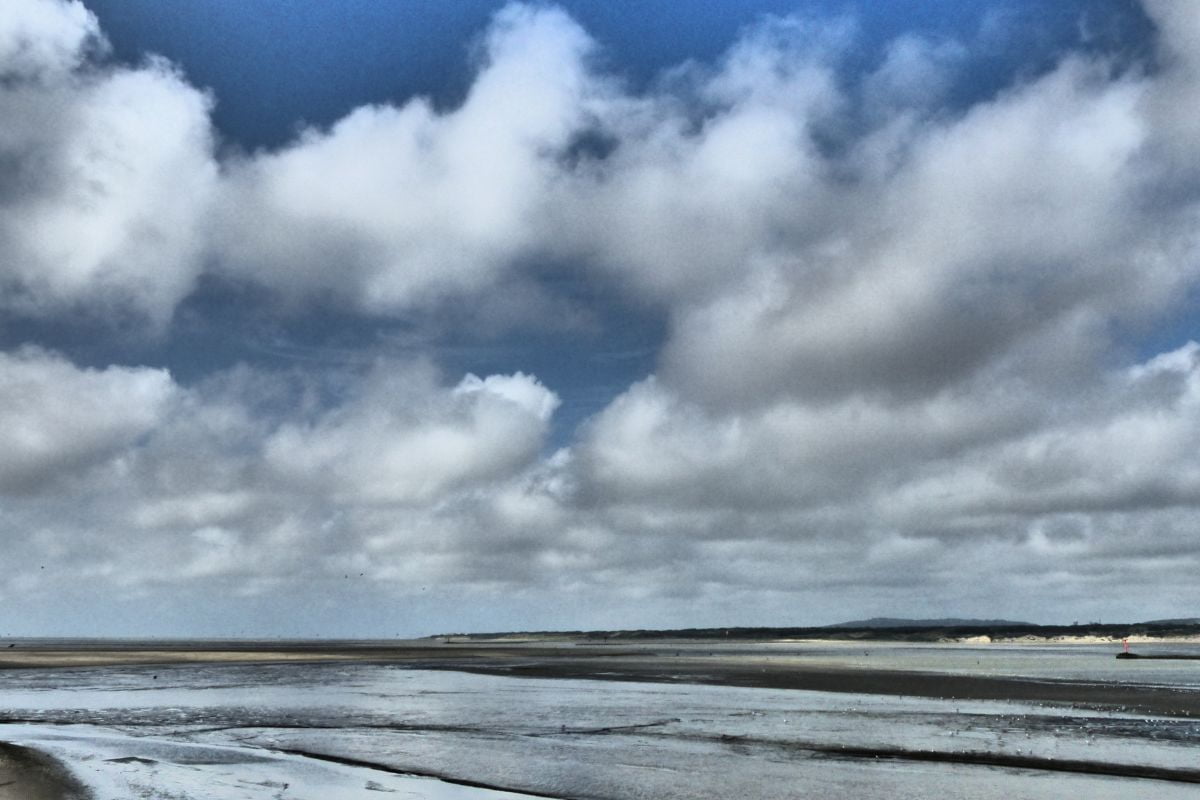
point(879, 629)
point(891, 622)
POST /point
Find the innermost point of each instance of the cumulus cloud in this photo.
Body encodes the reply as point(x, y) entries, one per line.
point(1133, 452)
point(756, 171)
point(1177, 86)
point(396, 207)
point(402, 438)
point(57, 419)
point(914, 78)
point(932, 375)
point(105, 172)
point(39, 38)
point(719, 167)
point(899, 495)
point(915, 255)
point(248, 479)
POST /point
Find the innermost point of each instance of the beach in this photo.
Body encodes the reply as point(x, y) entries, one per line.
point(824, 666)
point(578, 719)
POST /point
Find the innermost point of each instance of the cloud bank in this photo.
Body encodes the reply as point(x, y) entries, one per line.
point(903, 366)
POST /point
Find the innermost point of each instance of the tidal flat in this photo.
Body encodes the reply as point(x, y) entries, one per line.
point(652, 719)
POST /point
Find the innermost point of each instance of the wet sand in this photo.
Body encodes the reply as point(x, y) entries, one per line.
point(648, 662)
point(26, 774)
point(725, 670)
point(1073, 710)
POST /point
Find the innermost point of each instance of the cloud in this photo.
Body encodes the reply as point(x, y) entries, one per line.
point(1177, 85)
point(710, 171)
point(57, 420)
point(396, 207)
point(914, 78)
point(39, 38)
point(914, 255)
point(106, 172)
point(120, 478)
point(770, 188)
point(927, 386)
point(887, 496)
point(1130, 453)
point(663, 508)
point(898, 369)
point(401, 438)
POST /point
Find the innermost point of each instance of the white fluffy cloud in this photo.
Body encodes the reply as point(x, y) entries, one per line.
point(705, 177)
point(718, 194)
point(914, 382)
point(396, 207)
point(105, 172)
point(401, 438)
point(39, 38)
point(57, 419)
point(918, 253)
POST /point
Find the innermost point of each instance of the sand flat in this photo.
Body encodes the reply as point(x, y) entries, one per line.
point(347, 730)
point(804, 666)
point(104, 658)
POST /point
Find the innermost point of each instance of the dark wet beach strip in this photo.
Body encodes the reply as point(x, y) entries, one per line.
point(26, 774)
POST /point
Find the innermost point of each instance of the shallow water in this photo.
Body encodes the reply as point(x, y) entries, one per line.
point(243, 731)
point(1088, 663)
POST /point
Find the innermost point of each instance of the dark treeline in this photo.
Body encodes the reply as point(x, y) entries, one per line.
point(893, 630)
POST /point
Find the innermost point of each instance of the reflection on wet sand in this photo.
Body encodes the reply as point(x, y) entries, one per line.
point(661, 719)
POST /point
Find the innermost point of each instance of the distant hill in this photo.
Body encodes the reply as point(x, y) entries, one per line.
point(946, 622)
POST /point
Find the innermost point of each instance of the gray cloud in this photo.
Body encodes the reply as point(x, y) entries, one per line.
point(402, 439)
point(57, 420)
point(243, 480)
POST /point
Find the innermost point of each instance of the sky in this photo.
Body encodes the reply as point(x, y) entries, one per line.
point(370, 319)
